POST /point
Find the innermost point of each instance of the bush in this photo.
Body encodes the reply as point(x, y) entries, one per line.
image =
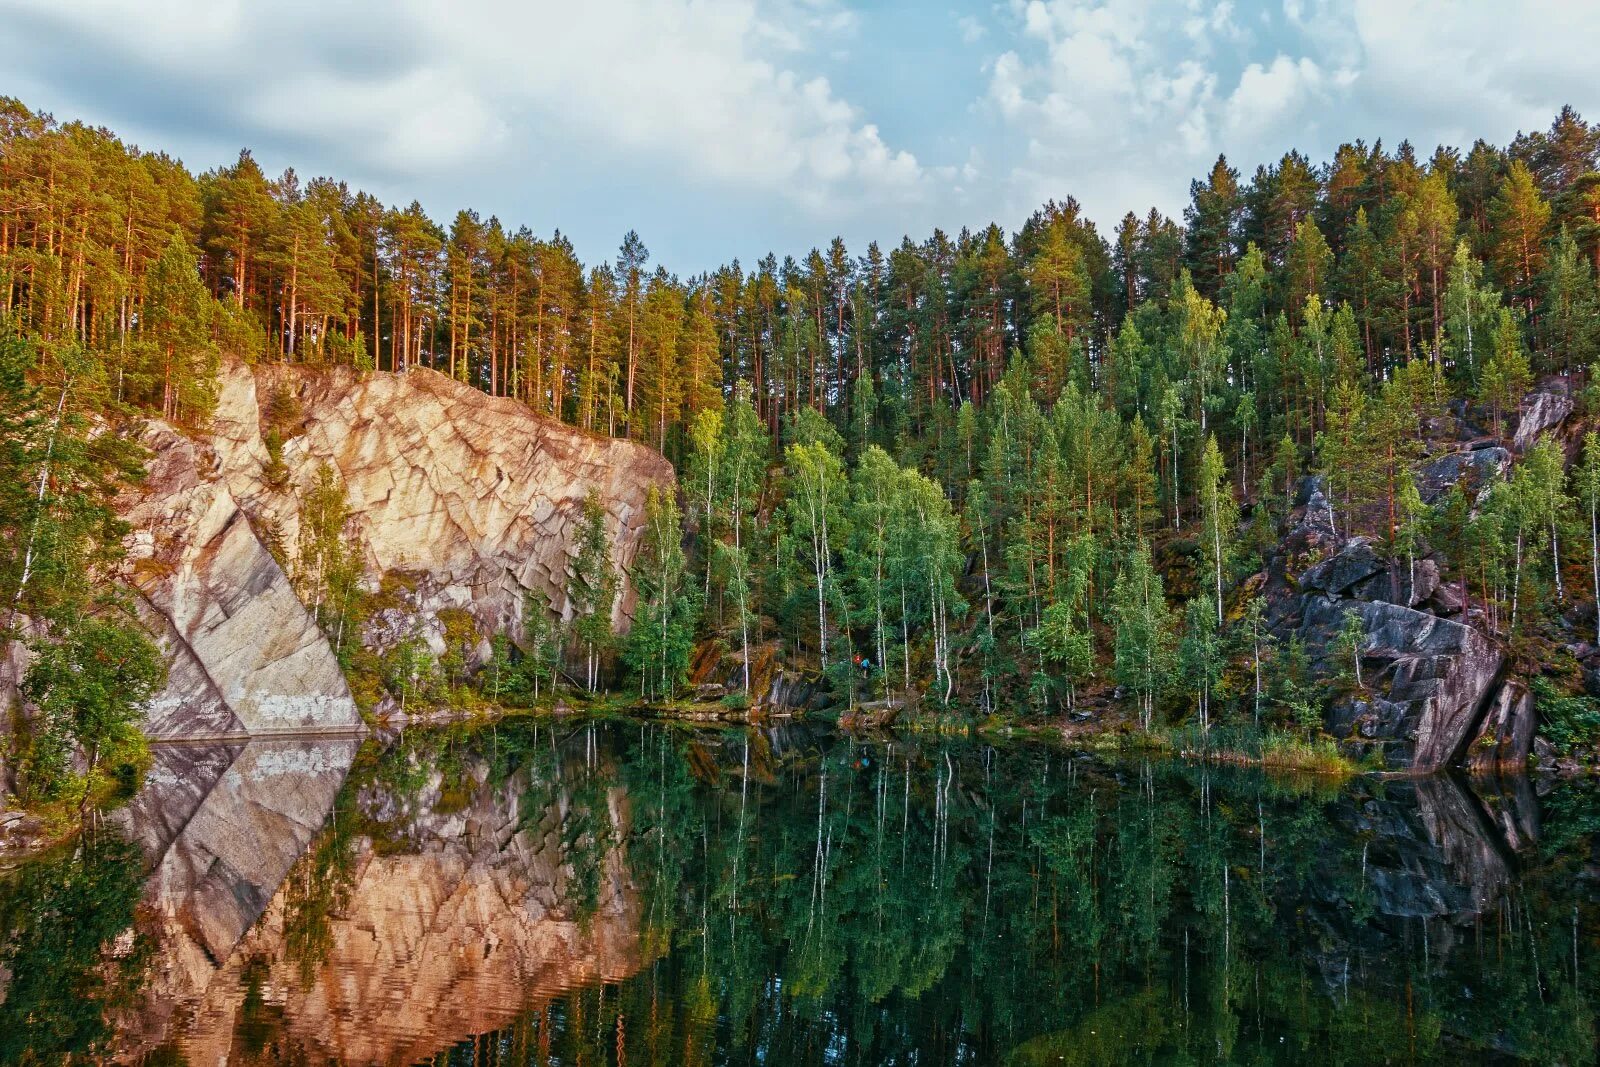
point(1567, 722)
point(89, 680)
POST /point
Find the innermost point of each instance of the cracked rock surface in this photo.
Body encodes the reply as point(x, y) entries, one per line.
point(476, 498)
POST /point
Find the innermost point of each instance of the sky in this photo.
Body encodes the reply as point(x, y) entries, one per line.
point(729, 128)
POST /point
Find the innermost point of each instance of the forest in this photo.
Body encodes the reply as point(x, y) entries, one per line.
point(998, 471)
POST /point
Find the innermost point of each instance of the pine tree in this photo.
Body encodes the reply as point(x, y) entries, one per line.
point(1520, 216)
point(177, 324)
point(1506, 377)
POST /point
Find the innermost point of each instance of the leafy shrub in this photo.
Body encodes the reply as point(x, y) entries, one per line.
point(1567, 722)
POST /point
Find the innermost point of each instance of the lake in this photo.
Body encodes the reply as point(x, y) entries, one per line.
point(606, 892)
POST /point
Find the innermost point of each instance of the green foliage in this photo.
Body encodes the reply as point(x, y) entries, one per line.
point(1349, 643)
point(593, 588)
point(59, 919)
point(1570, 723)
point(330, 560)
point(1144, 632)
point(88, 682)
point(661, 642)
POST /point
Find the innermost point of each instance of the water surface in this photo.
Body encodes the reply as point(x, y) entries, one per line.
point(610, 893)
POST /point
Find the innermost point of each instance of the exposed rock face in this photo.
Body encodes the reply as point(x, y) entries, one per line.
point(1435, 691)
point(475, 498)
point(1476, 466)
point(244, 655)
point(1505, 740)
point(1435, 675)
point(1541, 411)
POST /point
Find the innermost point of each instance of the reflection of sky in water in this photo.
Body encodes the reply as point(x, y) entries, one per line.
point(627, 893)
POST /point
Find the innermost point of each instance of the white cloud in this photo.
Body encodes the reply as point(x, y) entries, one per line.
point(727, 122)
point(1122, 102)
point(711, 91)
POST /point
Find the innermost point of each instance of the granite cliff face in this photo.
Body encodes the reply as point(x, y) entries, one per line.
point(474, 498)
point(244, 656)
point(470, 500)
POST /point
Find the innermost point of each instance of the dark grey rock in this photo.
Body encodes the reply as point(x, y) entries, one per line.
point(1356, 562)
point(1476, 466)
point(1505, 739)
point(1432, 677)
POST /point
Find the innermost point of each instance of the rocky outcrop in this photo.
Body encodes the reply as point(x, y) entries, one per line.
point(1429, 679)
point(1477, 467)
point(1505, 738)
point(1428, 675)
point(473, 498)
point(244, 656)
point(1541, 412)
point(468, 501)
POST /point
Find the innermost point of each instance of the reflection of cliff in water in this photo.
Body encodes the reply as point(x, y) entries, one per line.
point(431, 898)
point(1424, 861)
point(805, 897)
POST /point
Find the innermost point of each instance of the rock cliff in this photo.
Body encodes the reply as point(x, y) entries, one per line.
point(474, 497)
point(471, 500)
point(244, 656)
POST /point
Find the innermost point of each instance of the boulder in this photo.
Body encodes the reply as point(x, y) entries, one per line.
point(1356, 562)
point(1505, 739)
point(1476, 466)
point(1432, 677)
point(1447, 599)
point(1541, 411)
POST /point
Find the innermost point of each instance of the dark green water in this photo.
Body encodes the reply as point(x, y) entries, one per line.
point(590, 893)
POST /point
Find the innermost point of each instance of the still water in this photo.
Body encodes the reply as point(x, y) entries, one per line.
point(611, 893)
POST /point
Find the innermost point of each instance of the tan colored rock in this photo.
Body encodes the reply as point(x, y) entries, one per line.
point(474, 499)
point(245, 657)
point(476, 495)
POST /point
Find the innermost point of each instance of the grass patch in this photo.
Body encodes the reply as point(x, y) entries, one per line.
point(1274, 749)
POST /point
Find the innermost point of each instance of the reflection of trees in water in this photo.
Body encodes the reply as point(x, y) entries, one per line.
point(834, 901)
point(806, 898)
point(66, 967)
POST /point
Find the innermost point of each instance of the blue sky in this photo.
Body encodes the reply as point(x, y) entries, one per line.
point(723, 128)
